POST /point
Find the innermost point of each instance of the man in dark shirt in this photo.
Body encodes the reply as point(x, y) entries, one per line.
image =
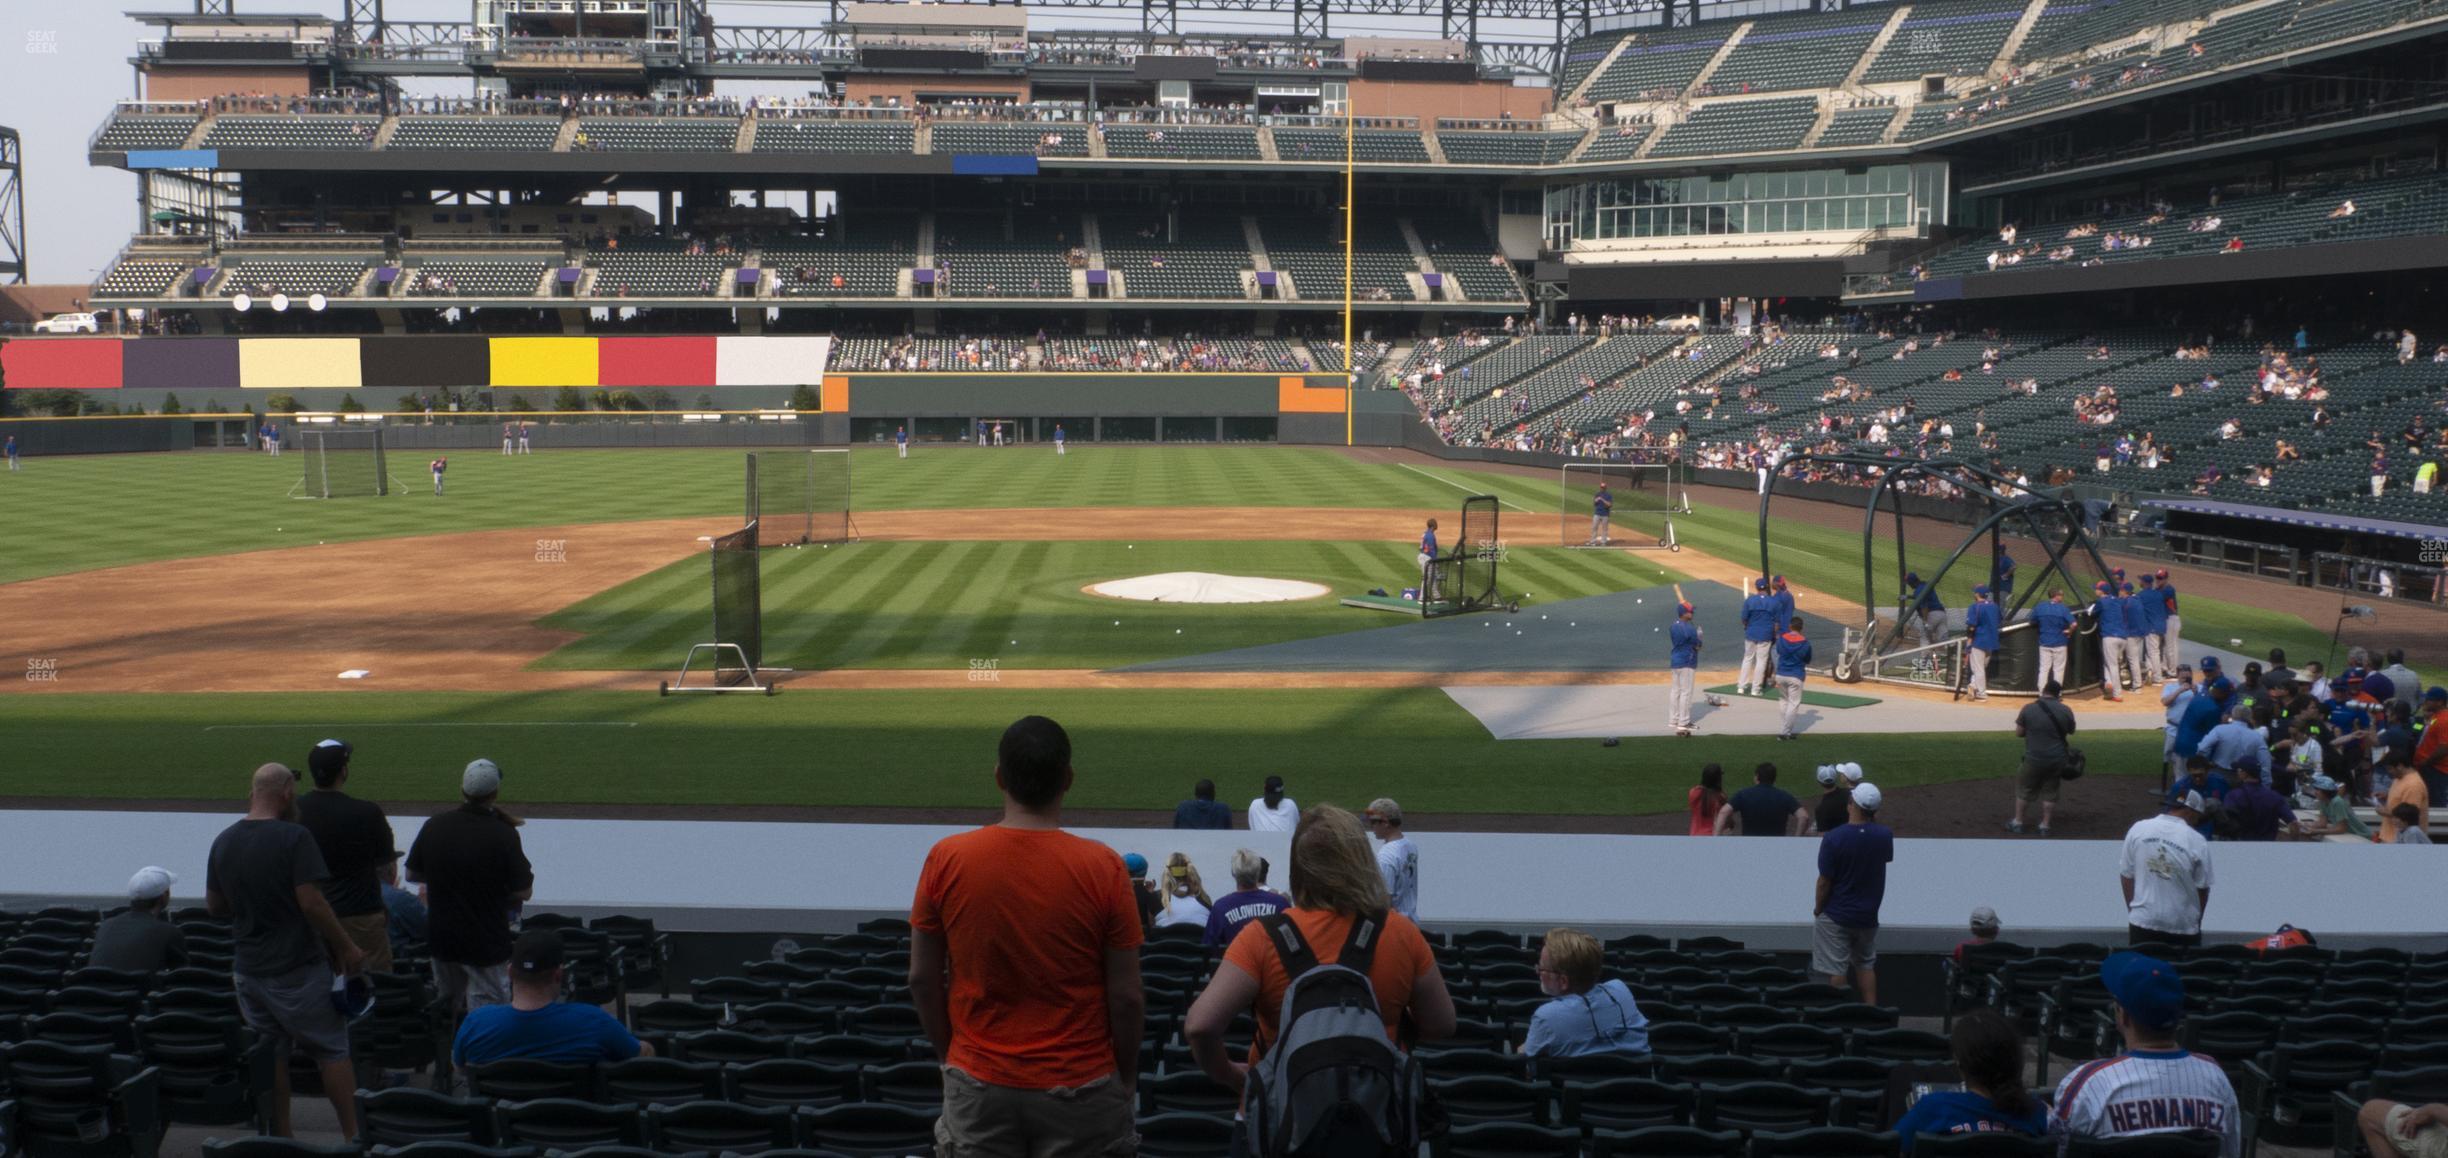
point(1202, 810)
point(264, 873)
point(476, 875)
point(2044, 724)
point(1763, 809)
point(355, 838)
point(2258, 811)
point(1835, 798)
point(142, 939)
point(1852, 885)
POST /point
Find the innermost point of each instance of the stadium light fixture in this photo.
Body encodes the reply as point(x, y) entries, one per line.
point(242, 303)
point(280, 303)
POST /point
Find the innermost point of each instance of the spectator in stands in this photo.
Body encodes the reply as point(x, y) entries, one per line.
point(1185, 895)
point(1202, 809)
point(355, 839)
point(536, 1024)
point(2410, 824)
point(2396, 1130)
point(1336, 888)
point(1984, 926)
point(1144, 894)
point(1706, 799)
point(1853, 861)
point(2337, 813)
point(2257, 811)
point(1397, 857)
point(2047, 726)
point(2166, 873)
point(405, 909)
point(476, 876)
point(1763, 809)
point(2405, 787)
point(1024, 966)
point(2155, 1086)
point(1273, 811)
point(2405, 686)
point(1989, 1055)
point(1249, 900)
point(264, 874)
point(1583, 1015)
point(2234, 742)
point(140, 938)
point(1834, 806)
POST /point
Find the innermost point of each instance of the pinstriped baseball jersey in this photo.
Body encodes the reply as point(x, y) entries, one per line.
point(2149, 1092)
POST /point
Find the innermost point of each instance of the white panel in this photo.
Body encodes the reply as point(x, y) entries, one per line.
point(770, 361)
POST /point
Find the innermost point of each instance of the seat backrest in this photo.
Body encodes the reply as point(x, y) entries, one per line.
point(659, 1080)
point(405, 1115)
point(522, 1079)
point(1982, 1145)
point(721, 1126)
point(2164, 1144)
point(1828, 1142)
point(791, 1082)
point(1666, 1142)
point(566, 1123)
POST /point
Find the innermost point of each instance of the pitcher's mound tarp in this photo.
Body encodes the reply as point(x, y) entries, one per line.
point(1623, 631)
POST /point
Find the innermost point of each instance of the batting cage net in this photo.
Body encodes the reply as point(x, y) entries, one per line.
point(1464, 579)
point(343, 464)
point(738, 600)
point(1642, 497)
point(800, 496)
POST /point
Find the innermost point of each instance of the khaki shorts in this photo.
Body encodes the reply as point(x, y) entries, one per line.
point(296, 1007)
point(986, 1121)
point(466, 987)
point(2429, 1142)
point(1837, 950)
point(2038, 782)
point(371, 932)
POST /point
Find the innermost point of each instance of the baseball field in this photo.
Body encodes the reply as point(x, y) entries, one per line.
point(178, 620)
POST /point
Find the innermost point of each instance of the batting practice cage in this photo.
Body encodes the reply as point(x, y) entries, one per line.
point(737, 653)
point(343, 464)
point(800, 496)
point(1464, 578)
point(1644, 498)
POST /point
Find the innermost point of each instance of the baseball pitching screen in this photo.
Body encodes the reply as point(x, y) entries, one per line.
point(344, 464)
point(1642, 497)
point(1464, 578)
point(738, 602)
point(800, 496)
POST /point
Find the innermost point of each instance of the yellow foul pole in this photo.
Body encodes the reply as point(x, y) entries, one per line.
point(1351, 382)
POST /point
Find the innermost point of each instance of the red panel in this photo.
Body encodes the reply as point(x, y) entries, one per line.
point(69, 363)
point(647, 362)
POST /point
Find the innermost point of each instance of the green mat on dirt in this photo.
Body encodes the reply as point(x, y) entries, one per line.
point(1393, 603)
point(1812, 698)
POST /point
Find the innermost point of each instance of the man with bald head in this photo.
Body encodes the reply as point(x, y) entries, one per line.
point(265, 874)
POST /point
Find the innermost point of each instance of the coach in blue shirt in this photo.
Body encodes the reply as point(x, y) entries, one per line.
point(537, 1023)
point(1202, 810)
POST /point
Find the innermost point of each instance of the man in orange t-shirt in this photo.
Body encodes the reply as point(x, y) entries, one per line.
point(1024, 963)
point(2406, 788)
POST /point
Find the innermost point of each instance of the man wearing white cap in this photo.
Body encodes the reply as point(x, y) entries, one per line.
point(2166, 872)
point(1853, 863)
point(475, 873)
point(142, 939)
point(1834, 806)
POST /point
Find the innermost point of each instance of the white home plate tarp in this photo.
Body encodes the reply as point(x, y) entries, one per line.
point(1207, 587)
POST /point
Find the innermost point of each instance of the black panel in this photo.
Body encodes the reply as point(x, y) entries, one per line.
point(922, 58)
point(1670, 281)
point(1174, 68)
point(1444, 71)
point(425, 363)
point(228, 50)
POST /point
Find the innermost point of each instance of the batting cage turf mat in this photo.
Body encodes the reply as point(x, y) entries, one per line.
point(1814, 699)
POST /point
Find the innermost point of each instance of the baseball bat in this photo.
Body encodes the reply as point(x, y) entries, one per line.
point(1679, 594)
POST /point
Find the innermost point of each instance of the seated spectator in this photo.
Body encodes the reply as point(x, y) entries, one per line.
point(1144, 892)
point(1202, 810)
point(2257, 811)
point(537, 1024)
point(1984, 931)
point(1185, 896)
point(2410, 829)
point(1249, 900)
point(2396, 1130)
point(1989, 1054)
point(406, 909)
point(1584, 1015)
point(2155, 1086)
point(1336, 889)
point(141, 939)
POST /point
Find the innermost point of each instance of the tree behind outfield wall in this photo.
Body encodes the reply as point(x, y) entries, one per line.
point(282, 403)
point(569, 398)
point(170, 405)
point(804, 398)
point(350, 405)
point(661, 399)
point(518, 402)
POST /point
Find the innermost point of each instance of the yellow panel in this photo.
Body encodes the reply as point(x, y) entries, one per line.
point(544, 362)
point(298, 363)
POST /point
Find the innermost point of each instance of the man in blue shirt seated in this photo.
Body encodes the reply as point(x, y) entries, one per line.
point(1202, 810)
point(1249, 900)
point(537, 1023)
point(1583, 1015)
point(2200, 778)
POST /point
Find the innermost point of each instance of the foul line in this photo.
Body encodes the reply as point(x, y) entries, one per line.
point(447, 724)
point(1468, 490)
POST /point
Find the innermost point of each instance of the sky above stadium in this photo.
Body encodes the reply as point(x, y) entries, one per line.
point(67, 61)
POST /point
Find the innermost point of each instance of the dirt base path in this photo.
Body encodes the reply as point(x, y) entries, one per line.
point(457, 612)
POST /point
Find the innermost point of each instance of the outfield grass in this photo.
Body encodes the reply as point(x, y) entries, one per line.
point(1135, 749)
point(937, 605)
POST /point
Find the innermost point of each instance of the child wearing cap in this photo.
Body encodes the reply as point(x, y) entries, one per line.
point(1984, 931)
point(2337, 814)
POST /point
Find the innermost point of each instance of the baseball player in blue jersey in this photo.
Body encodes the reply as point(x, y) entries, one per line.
point(1981, 637)
point(901, 440)
point(1793, 656)
point(1602, 511)
point(1784, 598)
point(2149, 623)
point(1759, 611)
point(2139, 678)
point(1060, 447)
point(2108, 610)
point(437, 466)
point(1683, 669)
point(509, 438)
point(1923, 609)
point(2001, 577)
point(2155, 1086)
point(2170, 645)
point(526, 440)
point(1427, 561)
point(12, 452)
point(2053, 622)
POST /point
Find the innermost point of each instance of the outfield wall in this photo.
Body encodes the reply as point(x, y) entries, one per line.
point(385, 366)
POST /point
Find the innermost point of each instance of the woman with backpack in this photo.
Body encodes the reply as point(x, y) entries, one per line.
point(1310, 953)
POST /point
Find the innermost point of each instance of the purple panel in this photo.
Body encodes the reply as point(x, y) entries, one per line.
point(748, 277)
point(1097, 277)
point(1266, 277)
point(568, 274)
point(204, 276)
point(385, 275)
point(187, 364)
point(1433, 279)
point(922, 277)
